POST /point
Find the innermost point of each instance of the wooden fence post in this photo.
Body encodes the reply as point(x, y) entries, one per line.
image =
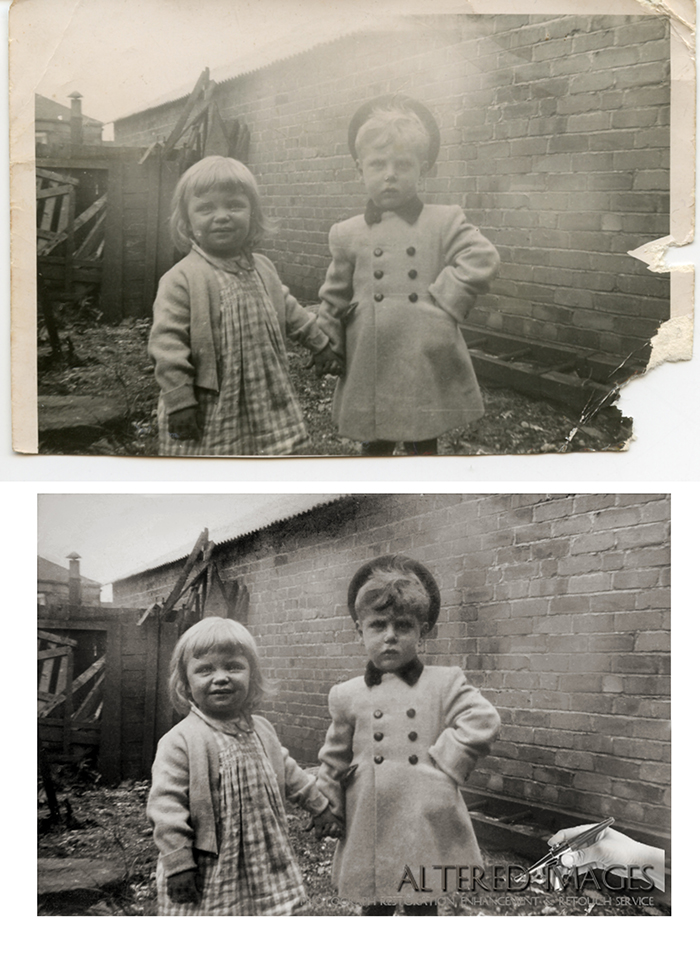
point(110, 754)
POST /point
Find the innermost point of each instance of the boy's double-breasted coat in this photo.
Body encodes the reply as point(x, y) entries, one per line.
point(393, 299)
point(392, 763)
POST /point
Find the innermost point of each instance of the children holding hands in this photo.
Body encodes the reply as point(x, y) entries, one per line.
point(219, 781)
point(221, 318)
point(403, 739)
point(403, 277)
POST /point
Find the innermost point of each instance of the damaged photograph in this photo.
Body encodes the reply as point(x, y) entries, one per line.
point(356, 705)
point(420, 234)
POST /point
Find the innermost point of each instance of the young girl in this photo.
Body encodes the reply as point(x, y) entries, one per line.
point(220, 320)
point(219, 781)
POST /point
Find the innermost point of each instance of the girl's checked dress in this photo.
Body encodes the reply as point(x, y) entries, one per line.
point(256, 411)
point(255, 872)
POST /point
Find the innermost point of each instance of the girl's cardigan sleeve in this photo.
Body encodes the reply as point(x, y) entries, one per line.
point(297, 785)
point(170, 345)
point(472, 262)
point(298, 324)
point(168, 807)
point(472, 724)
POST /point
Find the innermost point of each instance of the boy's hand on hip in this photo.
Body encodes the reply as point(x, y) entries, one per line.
point(183, 888)
point(183, 424)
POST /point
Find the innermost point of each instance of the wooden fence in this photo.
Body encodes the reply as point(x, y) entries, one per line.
point(103, 671)
point(102, 229)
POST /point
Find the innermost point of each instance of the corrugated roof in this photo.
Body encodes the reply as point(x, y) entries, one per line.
point(271, 511)
point(278, 50)
point(255, 59)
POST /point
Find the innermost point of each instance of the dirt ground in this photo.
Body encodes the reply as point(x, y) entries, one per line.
point(101, 360)
point(111, 823)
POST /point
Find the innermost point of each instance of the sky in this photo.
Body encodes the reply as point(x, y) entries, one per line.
point(116, 534)
point(123, 55)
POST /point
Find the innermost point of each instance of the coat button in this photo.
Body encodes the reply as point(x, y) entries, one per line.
point(409, 251)
point(413, 759)
point(378, 736)
point(379, 297)
point(379, 759)
point(378, 252)
point(378, 713)
point(409, 712)
point(413, 273)
point(379, 273)
point(412, 736)
point(413, 297)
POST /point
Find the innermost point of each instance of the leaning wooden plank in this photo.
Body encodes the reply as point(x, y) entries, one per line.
point(57, 176)
point(52, 653)
point(90, 701)
point(79, 221)
point(146, 614)
point(147, 153)
point(68, 705)
point(54, 638)
point(45, 676)
point(199, 87)
point(56, 190)
point(202, 540)
point(47, 215)
point(77, 683)
point(62, 675)
point(93, 238)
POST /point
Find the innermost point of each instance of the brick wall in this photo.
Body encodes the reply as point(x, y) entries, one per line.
point(556, 606)
point(555, 140)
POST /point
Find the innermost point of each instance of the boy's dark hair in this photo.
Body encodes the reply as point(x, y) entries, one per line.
point(399, 581)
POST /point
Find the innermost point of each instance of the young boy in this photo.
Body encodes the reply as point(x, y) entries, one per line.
point(402, 278)
point(403, 739)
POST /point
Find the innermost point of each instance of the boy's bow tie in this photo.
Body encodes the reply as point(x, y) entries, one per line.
point(410, 673)
point(409, 211)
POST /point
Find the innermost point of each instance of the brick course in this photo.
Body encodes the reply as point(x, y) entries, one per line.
point(555, 139)
point(578, 668)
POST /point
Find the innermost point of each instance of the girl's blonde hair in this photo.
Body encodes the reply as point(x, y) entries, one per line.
point(394, 126)
point(210, 633)
point(216, 172)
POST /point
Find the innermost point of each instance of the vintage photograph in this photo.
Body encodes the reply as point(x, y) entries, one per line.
point(434, 233)
point(350, 704)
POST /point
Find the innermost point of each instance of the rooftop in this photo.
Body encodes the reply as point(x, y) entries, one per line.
point(272, 510)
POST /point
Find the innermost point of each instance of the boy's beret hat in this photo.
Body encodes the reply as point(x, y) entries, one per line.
point(402, 564)
point(396, 101)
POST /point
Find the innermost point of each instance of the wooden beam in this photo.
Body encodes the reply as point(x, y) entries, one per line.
point(109, 757)
point(52, 653)
point(202, 540)
point(181, 124)
point(56, 176)
point(90, 700)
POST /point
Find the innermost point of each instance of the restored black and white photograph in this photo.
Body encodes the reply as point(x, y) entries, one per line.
point(356, 705)
point(408, 232)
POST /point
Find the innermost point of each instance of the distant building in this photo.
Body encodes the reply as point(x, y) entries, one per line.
point(60, 585)
point(55, 123)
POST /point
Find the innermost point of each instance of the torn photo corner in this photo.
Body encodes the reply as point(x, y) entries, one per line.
point(566, 136)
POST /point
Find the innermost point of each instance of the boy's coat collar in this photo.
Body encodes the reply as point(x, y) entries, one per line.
point(410, 673)
point(409, 211)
